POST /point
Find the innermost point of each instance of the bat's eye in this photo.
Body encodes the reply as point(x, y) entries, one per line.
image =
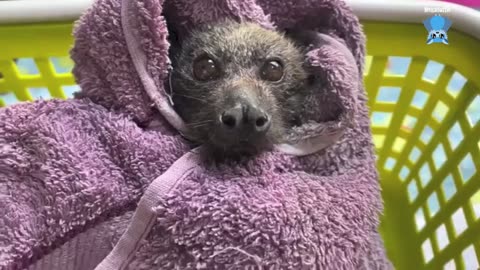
point(272, 70)
point(205, 68)
point(434, 36)
point(442, 36)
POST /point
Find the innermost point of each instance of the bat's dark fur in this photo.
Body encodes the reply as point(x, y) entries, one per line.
point(240, 49)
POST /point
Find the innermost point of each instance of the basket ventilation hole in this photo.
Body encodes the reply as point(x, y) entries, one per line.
point(404, 172)
point(388, 94)
point(427, 134)
point(470, 258)
point(456, 84)
point(412, 191)
point(473, 111)
point(381, 118)
point(440, 111)
point(459, 222)
point(432, 71)
point(455, 135)
point(448, 187)
point(9, 98)
point(427, 250)
point(61, 65)
point(467, 168)
point(69, 90)
point(425, 175)
point(420, 219)
point(475, 202)
point(420, 99)
point(398, 65)
point(399, 144)
point(368, 64)
point(39, 93)
point(390, 163)
point(378, 140)
point(450, 265)
point(26, 66)
point(415, 154)
point(433, 204)
point(442, 237)
point(439, 156)
point(409, 122)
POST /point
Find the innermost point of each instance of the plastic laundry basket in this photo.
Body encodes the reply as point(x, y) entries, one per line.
point(424, 101)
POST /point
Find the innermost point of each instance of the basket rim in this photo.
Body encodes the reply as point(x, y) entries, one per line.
point(465, 19)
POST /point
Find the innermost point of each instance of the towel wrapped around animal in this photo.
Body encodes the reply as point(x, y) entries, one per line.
point(107, 181)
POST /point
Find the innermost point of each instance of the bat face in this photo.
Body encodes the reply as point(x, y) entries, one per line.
point(238, 87)
point(437, 27)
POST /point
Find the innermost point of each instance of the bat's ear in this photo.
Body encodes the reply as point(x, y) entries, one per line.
point(445, 41)
point(429, 41)
point(427, 25)
point(175, 44)
point(304, 39)
point(301, 38)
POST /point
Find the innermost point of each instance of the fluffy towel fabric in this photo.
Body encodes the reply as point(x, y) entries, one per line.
point(106, 179)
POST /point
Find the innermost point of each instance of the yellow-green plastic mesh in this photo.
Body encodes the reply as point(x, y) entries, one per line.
point(425, 132)
point(39, 43)
point(431, 218)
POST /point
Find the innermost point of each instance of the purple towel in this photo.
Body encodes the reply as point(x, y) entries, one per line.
point(106, 181)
